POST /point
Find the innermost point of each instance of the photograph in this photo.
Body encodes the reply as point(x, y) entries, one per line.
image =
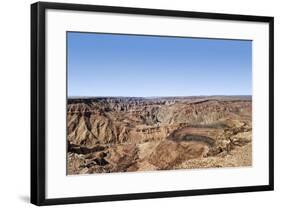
point(148, 103)
point(143, 102)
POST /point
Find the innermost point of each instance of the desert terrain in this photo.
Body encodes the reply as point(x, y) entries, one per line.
point(123, 134)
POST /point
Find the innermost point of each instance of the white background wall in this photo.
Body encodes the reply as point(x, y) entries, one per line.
point(15, 101)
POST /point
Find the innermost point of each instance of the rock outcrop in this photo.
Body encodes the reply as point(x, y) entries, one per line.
point(134, 134)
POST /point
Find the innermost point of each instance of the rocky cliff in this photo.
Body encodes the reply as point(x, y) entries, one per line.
point(116, 134)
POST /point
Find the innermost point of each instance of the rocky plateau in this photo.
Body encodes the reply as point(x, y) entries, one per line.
point(124, 134)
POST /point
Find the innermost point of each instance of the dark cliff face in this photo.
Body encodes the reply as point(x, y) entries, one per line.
point(151, 106)
point(110, 124)
point(160, 100)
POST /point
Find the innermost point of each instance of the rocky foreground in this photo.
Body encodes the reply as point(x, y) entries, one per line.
point(121, 134)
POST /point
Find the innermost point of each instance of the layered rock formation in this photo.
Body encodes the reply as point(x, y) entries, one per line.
point(119, 134)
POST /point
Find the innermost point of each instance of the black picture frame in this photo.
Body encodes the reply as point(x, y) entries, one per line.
point(38, 99)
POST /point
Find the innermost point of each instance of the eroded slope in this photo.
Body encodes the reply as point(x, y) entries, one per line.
point(136, 134)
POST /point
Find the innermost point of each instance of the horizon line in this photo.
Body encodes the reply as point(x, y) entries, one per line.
point(159, 96)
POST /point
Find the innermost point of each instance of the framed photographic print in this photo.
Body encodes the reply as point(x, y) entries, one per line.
point(135, 103)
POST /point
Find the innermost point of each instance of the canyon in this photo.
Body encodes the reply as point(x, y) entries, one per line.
point(127, 134)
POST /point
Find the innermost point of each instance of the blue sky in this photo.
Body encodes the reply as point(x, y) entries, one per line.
point(136, 65)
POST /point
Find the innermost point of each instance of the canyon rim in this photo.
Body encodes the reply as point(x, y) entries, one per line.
point(122, 134)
